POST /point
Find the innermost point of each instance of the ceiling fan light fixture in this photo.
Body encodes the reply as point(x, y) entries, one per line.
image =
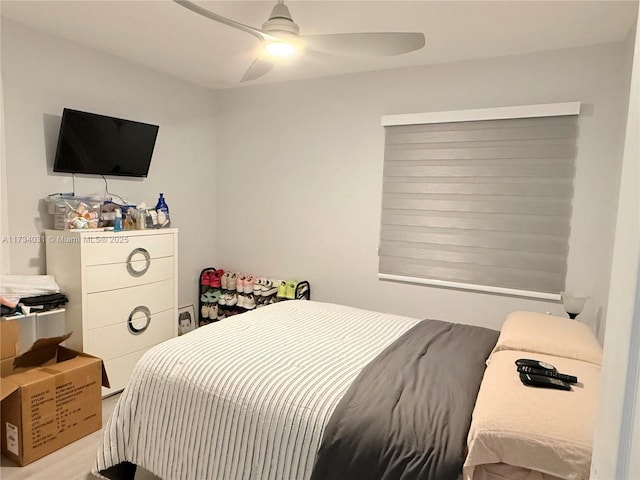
point(280, 36)
point(280, 22)
point(280, 49)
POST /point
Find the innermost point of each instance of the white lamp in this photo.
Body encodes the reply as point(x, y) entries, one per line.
point(572, 305)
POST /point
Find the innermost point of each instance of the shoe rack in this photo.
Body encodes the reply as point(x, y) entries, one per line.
point(223, 293)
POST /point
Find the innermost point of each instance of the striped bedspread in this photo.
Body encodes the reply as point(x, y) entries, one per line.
point(245, 398)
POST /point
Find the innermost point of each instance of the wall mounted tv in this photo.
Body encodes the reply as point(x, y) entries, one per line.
point(96, 144)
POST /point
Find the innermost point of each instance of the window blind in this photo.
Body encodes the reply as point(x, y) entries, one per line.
point(485, 203)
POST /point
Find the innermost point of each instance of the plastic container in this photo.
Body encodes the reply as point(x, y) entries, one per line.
point(71, 212)
point(163, 212)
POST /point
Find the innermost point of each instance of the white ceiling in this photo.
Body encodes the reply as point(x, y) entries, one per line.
point(165, 36)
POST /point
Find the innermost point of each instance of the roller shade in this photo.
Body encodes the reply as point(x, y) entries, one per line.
point(484, 202)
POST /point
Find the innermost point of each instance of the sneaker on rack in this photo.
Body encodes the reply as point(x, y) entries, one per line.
point(257, 285)
point(249, 302)
point(291, 289)
point(265, 284)
point(249, 283)
point(282, 289)
point(204, 310)
point(212, 296)
point(204, 280)
point(232, 281)
point(223, 298)
point(260, 301)
point(216, 278)
point(269, 287)
point(232, 299)
point(224, 281)
point(240, 302)
point(240, 284)
point(213, 312)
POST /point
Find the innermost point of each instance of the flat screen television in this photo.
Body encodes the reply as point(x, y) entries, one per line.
point(100, 145)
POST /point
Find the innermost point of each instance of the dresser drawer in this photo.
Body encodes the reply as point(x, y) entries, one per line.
point(115, 306)
point(123, 275)
point(120, 247)
point(117, 340)
point(119, 370)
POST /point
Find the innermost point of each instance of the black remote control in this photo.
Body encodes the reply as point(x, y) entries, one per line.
point(543, 382)
point(527, 362)
point(546, 373)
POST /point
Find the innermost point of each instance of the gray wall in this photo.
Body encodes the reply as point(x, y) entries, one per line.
point(285, 179)
point(43, 74)
point(300, 166)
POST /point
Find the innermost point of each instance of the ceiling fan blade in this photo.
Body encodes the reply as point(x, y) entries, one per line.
point(365, 44)
point(257, 69)
point(224, 20)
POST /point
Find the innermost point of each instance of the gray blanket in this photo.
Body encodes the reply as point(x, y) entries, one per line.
point(408, 413)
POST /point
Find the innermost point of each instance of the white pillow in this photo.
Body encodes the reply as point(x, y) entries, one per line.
point(539, 333)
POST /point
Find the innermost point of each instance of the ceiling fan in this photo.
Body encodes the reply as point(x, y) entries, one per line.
point(280, 36)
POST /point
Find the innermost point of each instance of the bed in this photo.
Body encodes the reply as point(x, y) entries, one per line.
point(303, 390)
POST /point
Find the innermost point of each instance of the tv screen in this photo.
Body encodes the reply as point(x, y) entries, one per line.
point(100, 145)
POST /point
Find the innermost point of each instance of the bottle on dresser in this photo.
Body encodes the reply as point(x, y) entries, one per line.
point(163, 212)
point(117, 221)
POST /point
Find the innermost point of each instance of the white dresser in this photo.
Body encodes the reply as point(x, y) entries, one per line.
point(123, 293)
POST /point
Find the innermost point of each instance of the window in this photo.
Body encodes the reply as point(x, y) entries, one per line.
point(480, 199)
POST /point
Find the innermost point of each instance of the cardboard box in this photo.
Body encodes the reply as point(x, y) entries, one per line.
point(51, 395)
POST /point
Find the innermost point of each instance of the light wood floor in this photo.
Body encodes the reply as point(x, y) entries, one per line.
point(73, 462)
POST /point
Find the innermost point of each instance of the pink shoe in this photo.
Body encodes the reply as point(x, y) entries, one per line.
point(249, 283)
point(240, 284)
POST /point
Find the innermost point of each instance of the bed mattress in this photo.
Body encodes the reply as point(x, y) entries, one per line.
point(216, 404)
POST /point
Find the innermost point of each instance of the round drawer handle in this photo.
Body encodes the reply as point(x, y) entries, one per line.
point(147, 313)
point(147, 259)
